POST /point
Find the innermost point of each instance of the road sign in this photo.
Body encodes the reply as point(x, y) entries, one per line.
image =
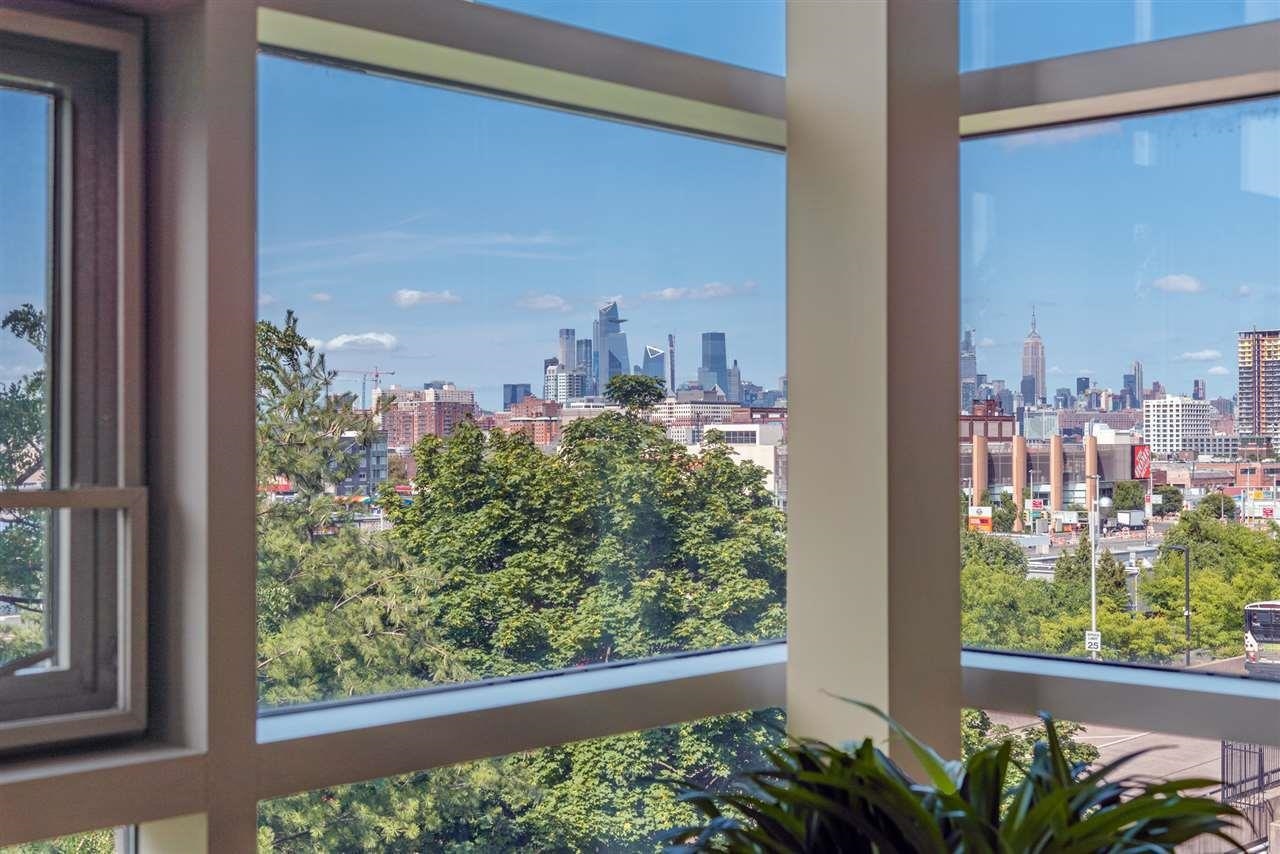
point(1157, 498)
point(1092, 641)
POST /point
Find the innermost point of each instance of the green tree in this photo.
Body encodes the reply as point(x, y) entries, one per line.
point(1217, 505)
point(978, 731)
point(1170, 500)
point(507, 560)
point(636, 393)
point(24, 539)
point(1129, 495)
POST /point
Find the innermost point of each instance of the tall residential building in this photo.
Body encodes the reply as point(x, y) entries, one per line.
point(1136, 370)
point(513, 393)
point(968, 371)
point(1033, 359)
point(1198, 391)
point(1174, 423)
point(568, 349)
point(436, 410)
point(1258, 399)
point(714, 360)
point(561, 386)
point(610, 344)
point(655, 363)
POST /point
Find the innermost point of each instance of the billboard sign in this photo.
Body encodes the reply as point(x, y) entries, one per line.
point(1141, 462)
point(980, 519)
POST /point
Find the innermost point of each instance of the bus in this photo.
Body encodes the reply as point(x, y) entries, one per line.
point(1262, 639)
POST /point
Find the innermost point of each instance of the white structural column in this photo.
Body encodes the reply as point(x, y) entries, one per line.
point(873, 596)
point(202, 190)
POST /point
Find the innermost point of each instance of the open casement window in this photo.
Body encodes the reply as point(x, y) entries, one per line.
point(72, 510)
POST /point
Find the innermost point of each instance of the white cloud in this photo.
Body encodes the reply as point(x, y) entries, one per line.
point(544, 302)
point(266, 299)
point(1205, 355)
point(1218, 371)
point(406, 297)
point(316, 343)
point(321, 296)
point(363, 341)
point(1178, 283)
point(1055, 370)
point(710, 290)
point(1244, 291)
point(987, 342)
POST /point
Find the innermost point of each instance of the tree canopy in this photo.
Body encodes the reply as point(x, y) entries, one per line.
point(635, 393)
point(504, 560)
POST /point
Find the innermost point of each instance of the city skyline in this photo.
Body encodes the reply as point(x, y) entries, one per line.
point(462, 262)
point(1152, 239)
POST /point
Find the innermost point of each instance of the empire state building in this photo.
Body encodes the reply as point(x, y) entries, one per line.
point(1033, 364)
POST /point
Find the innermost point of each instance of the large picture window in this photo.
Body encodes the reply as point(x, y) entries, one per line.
point(1118, 396)
point(522, 392)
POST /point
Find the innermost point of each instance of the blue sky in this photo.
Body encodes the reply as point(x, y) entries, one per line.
point(1154, 238)
point(449, 236)
point(24, 213)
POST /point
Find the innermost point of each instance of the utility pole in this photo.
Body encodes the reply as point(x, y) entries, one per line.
point(1186, 592)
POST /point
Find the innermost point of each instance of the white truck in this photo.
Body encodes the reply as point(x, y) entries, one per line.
point(1131, 519)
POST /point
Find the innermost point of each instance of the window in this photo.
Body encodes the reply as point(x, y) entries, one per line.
point(94, 842)
point(496, 244)
point(72, 512)
point(1005, 32)
point(1081, 260)
point(748, 34)
point(597, 795)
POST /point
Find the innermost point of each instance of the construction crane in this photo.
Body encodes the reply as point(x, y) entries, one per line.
point(377, 374)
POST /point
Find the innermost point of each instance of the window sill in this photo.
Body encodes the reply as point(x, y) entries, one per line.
point(1148, 698)
point(336, 743)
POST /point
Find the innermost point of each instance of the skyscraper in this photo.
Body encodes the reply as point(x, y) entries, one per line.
point(671, 364)
point(1082, 385)
point(513, 393)
point(655, 363)
point(610, 346)
point(1033, 361)
point(1133, 396)
point(1197, 390)
point(568, 350)
point(714, 362)
point(1137, 382)
point(968, 371)
point(1258, 398)
point(586, 364)
point(734, 389)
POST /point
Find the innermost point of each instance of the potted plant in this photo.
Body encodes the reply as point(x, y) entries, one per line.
point(820, 798)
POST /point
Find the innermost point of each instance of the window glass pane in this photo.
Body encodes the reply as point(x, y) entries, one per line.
point(1006, 32)
point(25, 217)
point(750, 33)
point(446, 491)
point(25, 558)
point(590, 796)
point(1249, 771)
point(1121, 309)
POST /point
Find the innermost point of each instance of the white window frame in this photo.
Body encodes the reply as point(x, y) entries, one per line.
point(1177, 73)
point(98, 687)
point(868, 115)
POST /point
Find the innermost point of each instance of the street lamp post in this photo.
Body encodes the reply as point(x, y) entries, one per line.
point(1095, 525)
point(1186, 588)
